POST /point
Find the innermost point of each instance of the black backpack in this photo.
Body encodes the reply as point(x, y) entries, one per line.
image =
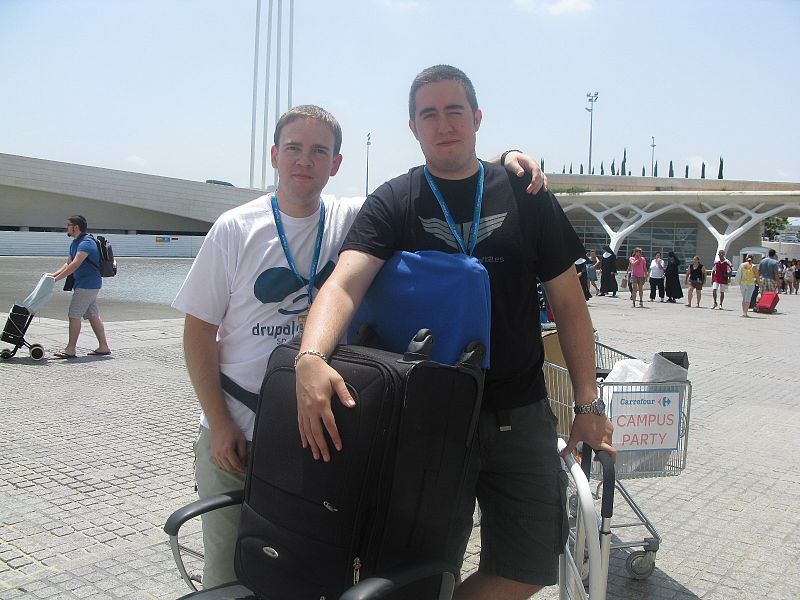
point(108, 264)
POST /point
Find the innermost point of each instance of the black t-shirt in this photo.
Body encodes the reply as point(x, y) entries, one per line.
point(520, 238)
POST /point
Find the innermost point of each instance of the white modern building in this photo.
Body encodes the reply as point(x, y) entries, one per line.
point(147, 215)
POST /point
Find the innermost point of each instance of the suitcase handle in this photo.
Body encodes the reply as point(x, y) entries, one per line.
point(419, 348)
point(473, 355)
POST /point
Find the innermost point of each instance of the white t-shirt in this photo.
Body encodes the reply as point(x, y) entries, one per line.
point(242, 282)
point(656, 269)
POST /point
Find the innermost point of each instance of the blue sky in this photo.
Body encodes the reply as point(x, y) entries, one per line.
point(165, 86)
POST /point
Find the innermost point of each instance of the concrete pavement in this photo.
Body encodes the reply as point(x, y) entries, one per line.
point(96, 452)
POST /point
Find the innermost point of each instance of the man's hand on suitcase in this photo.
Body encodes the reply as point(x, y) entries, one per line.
point(317, 382)
point(595, 430)
point(229, 448)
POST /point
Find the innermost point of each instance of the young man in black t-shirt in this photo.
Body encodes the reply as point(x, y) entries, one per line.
point(518, 480)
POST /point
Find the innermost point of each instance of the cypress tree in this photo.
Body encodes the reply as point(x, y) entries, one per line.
point(581, 168)
point(703, 172)
point(570, 168)
point(643, 175)
point(602, 170)
point(563, 169)
point(655, 170)
point(624, 169)
point(613, 170)
point(719, 175)
point(687, 172)
point(671, 170)
point(541, 165)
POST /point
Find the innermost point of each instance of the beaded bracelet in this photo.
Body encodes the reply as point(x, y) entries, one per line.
point(312, 353)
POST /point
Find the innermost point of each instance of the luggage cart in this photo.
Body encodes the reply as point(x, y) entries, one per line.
point(631, 464)
point(19, 319)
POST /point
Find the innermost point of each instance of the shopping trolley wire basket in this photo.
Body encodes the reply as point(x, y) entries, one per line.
point(668, 459)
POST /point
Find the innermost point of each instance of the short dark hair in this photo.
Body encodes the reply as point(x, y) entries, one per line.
point(311, 111)
point(78, 220)
point(440, 73)
point(771, 252)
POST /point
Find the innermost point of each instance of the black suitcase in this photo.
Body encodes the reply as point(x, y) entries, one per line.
point(388, 499)
point(754, 298)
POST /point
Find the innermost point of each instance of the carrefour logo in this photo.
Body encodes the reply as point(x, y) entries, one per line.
point(663, 402)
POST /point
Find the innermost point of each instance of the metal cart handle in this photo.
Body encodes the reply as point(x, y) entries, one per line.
point(609, 477)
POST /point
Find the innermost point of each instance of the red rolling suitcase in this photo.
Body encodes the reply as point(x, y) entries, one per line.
point(388, 499)
point(767, 302)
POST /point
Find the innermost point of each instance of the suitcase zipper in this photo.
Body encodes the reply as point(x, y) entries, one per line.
point(356, 570)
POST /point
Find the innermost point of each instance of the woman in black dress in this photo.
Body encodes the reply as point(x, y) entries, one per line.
point(672, 278)
point(581, 266)
point(695, 278)
point(608, 275)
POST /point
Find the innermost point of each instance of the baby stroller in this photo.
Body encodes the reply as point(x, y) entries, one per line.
point(20, 318)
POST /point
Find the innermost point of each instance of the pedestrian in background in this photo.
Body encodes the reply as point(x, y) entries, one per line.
point(82, 272)
point(581, 266)
point(637, 267)
point(657, 273)
point(608, 272)
point(672, 278)
point(695, 278)
point(768, 272)
point(781, 280)
point(721, 274)
point(591, 269)
point(788, 276)
point(748, 275)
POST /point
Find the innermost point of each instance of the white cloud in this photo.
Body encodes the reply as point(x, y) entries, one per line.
point(555, 7)
point(136, 160)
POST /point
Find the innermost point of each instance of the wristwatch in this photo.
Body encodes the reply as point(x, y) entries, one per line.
point(596, 407)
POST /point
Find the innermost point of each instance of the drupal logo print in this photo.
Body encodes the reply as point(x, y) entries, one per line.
point(279, 283)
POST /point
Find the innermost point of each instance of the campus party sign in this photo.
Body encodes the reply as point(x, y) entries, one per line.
point(645, 420)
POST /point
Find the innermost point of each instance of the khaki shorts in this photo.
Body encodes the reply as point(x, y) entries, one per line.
point(220, 527)
point(638, 280)
point(82, 304)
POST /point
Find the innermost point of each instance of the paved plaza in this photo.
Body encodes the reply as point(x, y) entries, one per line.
point(95, 453)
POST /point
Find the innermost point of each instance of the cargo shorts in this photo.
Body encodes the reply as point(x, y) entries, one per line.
point(83, 303)
point(521, 489)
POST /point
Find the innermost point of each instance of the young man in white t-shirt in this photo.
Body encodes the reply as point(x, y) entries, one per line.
point(242, 298)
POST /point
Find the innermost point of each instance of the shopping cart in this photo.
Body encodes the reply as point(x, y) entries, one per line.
point(585, 556)
point(20, 317)
point(655, 457)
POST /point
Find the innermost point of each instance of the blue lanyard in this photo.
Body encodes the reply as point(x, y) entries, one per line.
point(288, 253)
point(476, 214)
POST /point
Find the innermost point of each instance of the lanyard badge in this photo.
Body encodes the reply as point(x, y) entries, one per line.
point(476, 213)
point(288, 253)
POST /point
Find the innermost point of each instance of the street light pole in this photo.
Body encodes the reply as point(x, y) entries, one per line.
point(592, 98)
point(369, 143)
point(255, 94)
point(652, 156)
